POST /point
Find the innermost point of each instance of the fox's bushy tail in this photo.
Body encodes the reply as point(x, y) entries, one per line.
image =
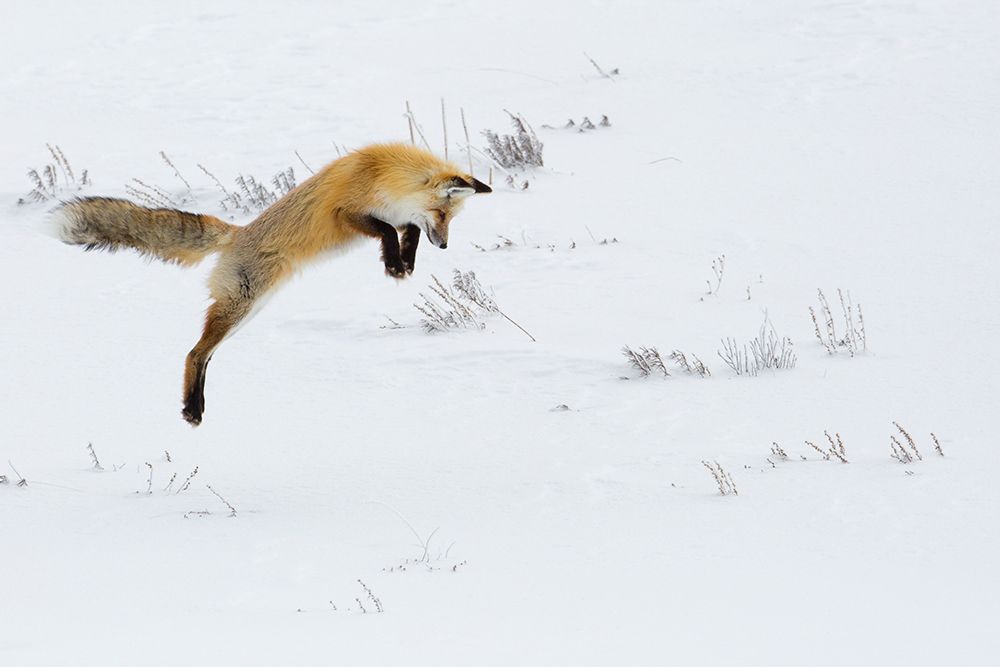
point(102, 223)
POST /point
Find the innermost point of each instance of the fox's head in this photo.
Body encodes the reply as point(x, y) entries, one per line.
point(415, 187)
point(444, 196)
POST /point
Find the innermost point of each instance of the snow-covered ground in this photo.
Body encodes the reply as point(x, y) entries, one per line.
point(814, 144)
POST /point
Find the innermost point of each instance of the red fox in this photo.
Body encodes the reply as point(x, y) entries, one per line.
point(390, 192)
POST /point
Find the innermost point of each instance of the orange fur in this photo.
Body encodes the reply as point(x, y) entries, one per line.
point(365, 193)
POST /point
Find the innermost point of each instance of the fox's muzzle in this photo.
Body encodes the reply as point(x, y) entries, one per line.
point(436, 239)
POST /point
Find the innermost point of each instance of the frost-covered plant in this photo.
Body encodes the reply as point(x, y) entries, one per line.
point(447, 311)
point(503, 244)
point(258, 196)
point(583, 126)
point(765, 351)
point(719, 269)
point(778, 451)
point(232, 510)
point(907, 453)
point(646, 360)
point(93, 457)
point(54, 180)
point(187, 482)
point(937, 445)
point(837, 449)
point(376, 601)
point(461, 306)
point(600, 70)
point(722, 478)
point(854, 338)
point(252, 195)
point(520, 150)
point(21, 481)
point(177, 173)
point(150, 195)
point(898, 451)
point(694, 366)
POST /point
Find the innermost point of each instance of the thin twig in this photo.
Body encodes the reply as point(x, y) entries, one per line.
point(409, 121)
point(93, 455)
point(415, 125)
point(304, 162)
point(598, 67)
point(468, 144)
point(217, 181)
point(424, 544)
point(444, 128)
point(21, 480)
point(177, 172)
point(232, 509)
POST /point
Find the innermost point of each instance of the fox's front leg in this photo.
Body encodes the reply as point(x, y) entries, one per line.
point(369, 225)
point(408, 247)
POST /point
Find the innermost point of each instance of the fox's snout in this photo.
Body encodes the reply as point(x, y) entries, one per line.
point(437, 236)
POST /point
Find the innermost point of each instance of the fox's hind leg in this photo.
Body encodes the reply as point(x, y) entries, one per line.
point(223, 317)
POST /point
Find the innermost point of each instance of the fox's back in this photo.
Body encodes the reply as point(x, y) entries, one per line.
point(312, 218)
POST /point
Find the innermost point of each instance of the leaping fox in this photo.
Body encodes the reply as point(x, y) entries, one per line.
point(391, 192)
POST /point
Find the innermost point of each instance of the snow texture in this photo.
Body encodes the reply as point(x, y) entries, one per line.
point(510, 502)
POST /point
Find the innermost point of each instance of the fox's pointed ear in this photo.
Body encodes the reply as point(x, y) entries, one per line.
point(459, 191)
point(460, 187)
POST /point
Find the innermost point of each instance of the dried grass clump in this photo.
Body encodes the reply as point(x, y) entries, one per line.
point(854, 338)
point(93, 457)
point(520, 150)
point(778, 452)
point(722, 478)
point(150, 195)
point(907, 450)
point(836, 450)
point(584, 125)
point(898, 451)
point(447, 311)
point(719, 269)
point(837, 447)
point(258, 196)
point(648, 361)
point(504, 243)
point(692, 366)
point(21, 481)
point(252, 195)
point(460, 306)
point(766, 351)
point(55, 179)
point(600, 70)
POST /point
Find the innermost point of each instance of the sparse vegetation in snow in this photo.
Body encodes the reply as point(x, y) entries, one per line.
point(55, 180)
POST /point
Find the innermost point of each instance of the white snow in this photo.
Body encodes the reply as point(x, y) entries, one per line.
point(815, 144)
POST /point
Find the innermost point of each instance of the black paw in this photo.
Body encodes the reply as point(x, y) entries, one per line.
point(408, 267)
point(191, 417)
point(194, 407)
point(396, 269)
